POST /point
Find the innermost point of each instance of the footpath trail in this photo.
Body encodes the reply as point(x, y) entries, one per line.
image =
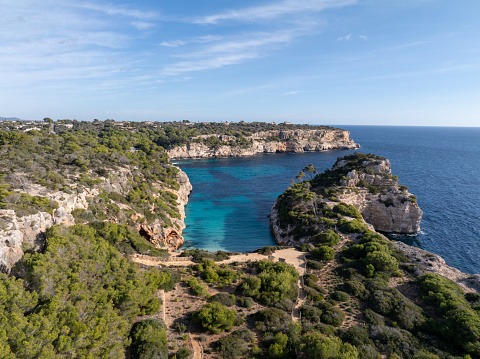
point(290, 256)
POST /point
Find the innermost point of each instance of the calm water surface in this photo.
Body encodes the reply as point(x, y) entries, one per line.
point(232, 198)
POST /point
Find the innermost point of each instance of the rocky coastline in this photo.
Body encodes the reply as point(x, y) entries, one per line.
point(266, 142)
point(18, 233)
point(385, 206)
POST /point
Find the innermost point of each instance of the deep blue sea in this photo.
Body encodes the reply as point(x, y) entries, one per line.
point(231, 198)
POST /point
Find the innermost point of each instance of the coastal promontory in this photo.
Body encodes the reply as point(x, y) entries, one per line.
point(358, 185)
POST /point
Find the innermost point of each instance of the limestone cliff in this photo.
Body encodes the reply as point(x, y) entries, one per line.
point(376, 194)
point(169, 237)
point(264, 142)
point(362, 181)
point(19, 232)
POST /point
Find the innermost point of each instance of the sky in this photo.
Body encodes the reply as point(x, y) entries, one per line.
point(351, 62)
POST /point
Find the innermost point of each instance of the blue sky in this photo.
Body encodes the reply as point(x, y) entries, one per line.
point(390, 62)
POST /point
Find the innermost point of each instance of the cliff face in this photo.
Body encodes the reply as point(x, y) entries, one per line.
point(362, 181)
point(170, 237)
point(267, 142)
point(393, 210)
point(18, 232)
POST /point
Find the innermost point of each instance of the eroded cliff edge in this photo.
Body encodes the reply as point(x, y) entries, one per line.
point(107, 200)
point(211, 146)
point(359, 197)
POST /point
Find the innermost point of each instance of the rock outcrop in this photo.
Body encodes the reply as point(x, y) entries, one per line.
point(362, 181)
point(170, 237)
point(18, 232)
point(377, 195)
point(266, 142)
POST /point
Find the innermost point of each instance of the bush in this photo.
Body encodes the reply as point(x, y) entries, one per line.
point(355, 226)
point(224, 298)
point(392, 340)
point(235, 345)
point(355, 287)
point(347, 210)
point(149, 339)
point(332, 316)
point(374, 318)
point(272, 319)
point(391, 302)
point(310, 313)
point(324, 253)
point(340, 296)
point(314, 264)
point(198, 288)
point(357, 336)
point(329, 238)
point(183, 353)
point(216, 318)
point(246, 302)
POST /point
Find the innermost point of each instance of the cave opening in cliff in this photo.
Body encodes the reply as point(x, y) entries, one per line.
point(144, 234)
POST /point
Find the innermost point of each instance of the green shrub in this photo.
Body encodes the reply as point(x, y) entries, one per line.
point(354, 226)
point(357, 335)
point(246, 302)
point(216, 318)
point(236, 344)
point(332, 316)
point(347, 210)
point(340, 296)
point(149, 339)
point(272, 319)
point(310, 313)
point(373, 318)
point(314, 264)
point(224, 298)
point(324, 253)
point(198, 288)
point(329, 238)
point(355, 287)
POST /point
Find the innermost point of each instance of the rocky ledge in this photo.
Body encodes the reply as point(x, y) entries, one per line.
point(210, 146)
point(376, 194)
point(362, 181)
point(18, 232)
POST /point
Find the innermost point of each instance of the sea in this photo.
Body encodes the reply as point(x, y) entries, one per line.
point(231, 198)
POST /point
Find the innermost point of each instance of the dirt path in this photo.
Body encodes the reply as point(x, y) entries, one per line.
point(302, 296)
point(196, 346)
point(290, 256)
point(164, 303)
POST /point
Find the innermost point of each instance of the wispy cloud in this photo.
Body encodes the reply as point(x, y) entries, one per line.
point(229, 51)
point(345, 38)
point(183, 67)
point(174, 43)
point(273, 10)
point(113, 9)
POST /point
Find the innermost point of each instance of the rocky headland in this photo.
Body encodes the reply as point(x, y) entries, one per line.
point(358, 195)
point(19, 232)
point(212, 146)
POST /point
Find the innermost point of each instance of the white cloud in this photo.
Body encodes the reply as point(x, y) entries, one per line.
point(274, 10)
point(142, 25)
point(174, 43)
point(183, 67)
point(112, 9)
point(363, 37)
point(230, 51)
point(293, 92)
point(345, 38)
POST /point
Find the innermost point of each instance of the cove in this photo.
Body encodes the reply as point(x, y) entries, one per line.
point(232, 198)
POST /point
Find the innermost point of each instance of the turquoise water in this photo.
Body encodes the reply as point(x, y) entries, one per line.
point(232, 198)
